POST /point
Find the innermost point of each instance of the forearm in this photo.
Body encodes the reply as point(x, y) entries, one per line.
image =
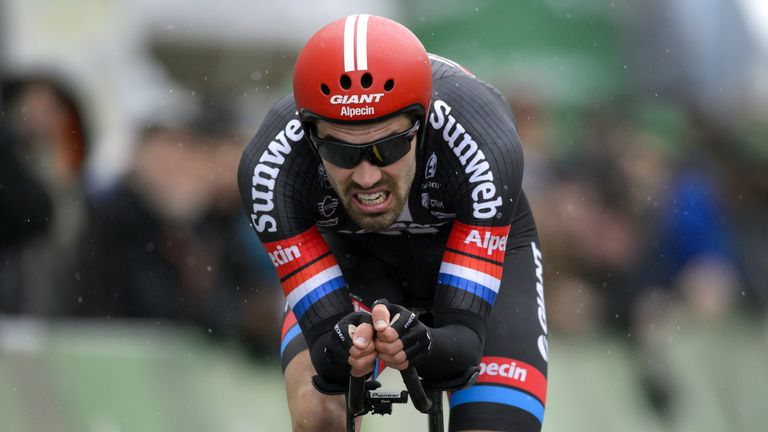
point(455, 349)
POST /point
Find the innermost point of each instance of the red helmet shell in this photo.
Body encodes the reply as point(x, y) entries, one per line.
point(361, 67)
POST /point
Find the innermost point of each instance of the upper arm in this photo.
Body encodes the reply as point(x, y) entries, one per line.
point(278, 181)
point(479, 136)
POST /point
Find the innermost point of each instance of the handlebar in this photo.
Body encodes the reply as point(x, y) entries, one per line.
point(362, 398)
point(356, 396)
point(421, 401)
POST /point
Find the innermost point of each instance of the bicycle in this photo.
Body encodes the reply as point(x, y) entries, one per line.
point(363, 397)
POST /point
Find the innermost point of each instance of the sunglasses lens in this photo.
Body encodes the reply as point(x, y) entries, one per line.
point(390, 151)
point(339, 155)
point(380, 153)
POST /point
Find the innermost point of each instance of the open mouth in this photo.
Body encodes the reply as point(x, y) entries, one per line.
point(372, 199)
point(373, 202)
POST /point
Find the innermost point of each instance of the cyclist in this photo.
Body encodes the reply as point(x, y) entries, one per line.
point(394, 174)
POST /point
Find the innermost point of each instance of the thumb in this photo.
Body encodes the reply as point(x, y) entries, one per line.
point(363, 334)
point(380, 315)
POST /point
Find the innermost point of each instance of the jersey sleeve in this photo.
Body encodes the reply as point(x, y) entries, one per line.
point(475, 127)
point(277, 178)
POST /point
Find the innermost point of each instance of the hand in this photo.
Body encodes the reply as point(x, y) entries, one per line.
point(401, 339)
point(352, 343)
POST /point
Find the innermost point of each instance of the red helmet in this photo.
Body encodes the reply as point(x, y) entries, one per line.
point(362, 67)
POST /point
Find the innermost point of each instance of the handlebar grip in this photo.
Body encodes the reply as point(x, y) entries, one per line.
point(356, 395)
point(413, 383)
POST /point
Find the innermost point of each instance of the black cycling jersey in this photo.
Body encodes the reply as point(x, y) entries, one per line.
point(468, 180)
point(464, 216)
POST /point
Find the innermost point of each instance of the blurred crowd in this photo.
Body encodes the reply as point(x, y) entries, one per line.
point(650, 214)
point(644, 209)
point(168, 241)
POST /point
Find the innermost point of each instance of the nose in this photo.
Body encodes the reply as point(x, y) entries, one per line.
point(366, 174)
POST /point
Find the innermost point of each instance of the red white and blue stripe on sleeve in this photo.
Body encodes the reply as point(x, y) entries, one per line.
point(473, 260)
point(308, 273)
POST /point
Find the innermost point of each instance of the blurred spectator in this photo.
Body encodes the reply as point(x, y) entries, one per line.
point(140, 257)
point(171, 242)
point(47, 140)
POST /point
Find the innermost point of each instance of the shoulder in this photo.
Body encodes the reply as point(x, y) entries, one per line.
point(275, 165)
point(456, 86)
point(473, 144)
point(279, 138)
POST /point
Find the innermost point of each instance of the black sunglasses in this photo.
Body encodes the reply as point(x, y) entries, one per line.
point(381, 152)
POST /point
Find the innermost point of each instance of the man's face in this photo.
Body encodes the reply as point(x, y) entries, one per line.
point(373, 196)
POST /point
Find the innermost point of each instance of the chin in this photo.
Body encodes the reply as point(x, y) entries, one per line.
point(375, 222)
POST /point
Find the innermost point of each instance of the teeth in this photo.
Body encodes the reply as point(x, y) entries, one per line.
point(372, 199)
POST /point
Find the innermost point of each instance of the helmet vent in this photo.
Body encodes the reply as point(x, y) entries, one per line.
point(389, 85)
point(324, 88)
point(366, 80)
point(346, 82)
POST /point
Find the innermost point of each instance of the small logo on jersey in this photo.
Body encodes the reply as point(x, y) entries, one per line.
point(321, 174)
point(282, 256)
point(489, 242)
point(328, 222)
point(328, 206)
point(442, 215)
point(431, 166)
point(425, 200)
point(542, 310)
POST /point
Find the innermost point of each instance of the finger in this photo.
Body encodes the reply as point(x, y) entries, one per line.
point(394, 360)
point(387, 335)
point(360, 352)
point(400, 366)
point(380, 315)
point(389, 347)
point(363, 335)
point(362, 366)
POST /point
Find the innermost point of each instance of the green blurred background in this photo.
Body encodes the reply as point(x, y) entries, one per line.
point(141, 301)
